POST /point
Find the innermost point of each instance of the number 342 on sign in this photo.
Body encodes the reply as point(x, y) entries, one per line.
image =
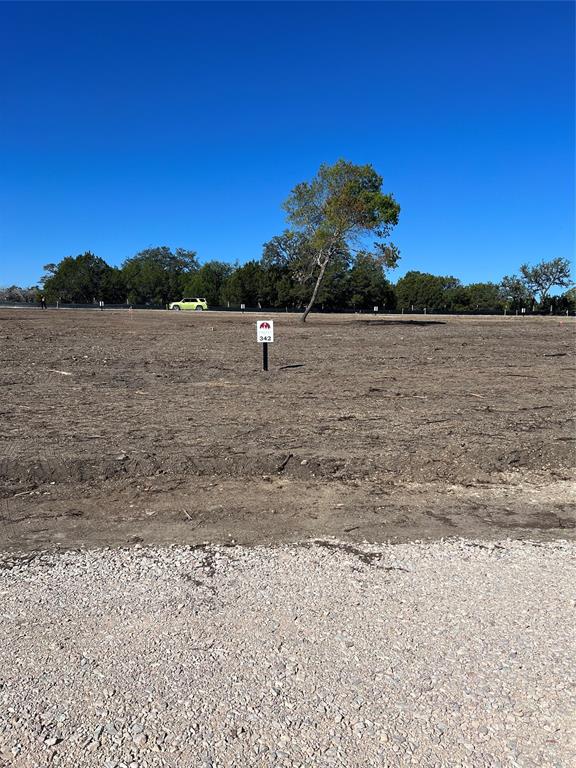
point(265, 331)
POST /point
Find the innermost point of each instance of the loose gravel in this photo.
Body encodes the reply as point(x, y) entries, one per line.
point(452, 653)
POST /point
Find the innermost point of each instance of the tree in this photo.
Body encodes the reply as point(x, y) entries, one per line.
point(82, 279)
point(476, 297)
point(568, 300)
point(113, 287)
point(244, 286)
point(290, 251)
point(367, 284)
point(342, 205)
point(514, 292)
point(16, 295)
point(546, 275)
point(158, 275)
point(422, 290)
point(334, 290)
point(208, 281)
point(286, 259)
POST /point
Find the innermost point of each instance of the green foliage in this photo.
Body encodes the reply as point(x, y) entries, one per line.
point(289, 254)
point(424, 291)
point(289, 265)
point(566, 302)
point(544, 276)
point(82, 279)
point(333, 290)
point(341, 206)
point(288, 262)
point(367, 284)
point(245, 285)
point(301, 263)
point(535, 283)
point(514, 293)
point(476, 297)
point(208, 282)
point(342, 202)
point(158, 275)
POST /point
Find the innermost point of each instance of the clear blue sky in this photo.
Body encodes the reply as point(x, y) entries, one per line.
point(129, 125)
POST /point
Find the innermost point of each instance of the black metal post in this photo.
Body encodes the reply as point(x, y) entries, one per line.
point(265, 356)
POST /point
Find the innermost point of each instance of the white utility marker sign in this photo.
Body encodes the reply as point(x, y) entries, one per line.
point(265, 331)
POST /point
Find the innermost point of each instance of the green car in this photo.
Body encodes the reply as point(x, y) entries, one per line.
point(199, 305)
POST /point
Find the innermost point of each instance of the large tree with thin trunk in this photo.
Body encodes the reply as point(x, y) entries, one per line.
point(342, 209)
point(546, 275)
point(515, 293)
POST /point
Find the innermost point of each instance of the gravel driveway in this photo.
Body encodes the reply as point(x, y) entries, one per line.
point(453, 653)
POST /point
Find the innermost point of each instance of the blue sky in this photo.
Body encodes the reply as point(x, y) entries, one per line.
point(125, 125)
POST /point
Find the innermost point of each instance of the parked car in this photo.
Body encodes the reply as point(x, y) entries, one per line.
point(199, 305)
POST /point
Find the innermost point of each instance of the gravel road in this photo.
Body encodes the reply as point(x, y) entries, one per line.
point(452, 653)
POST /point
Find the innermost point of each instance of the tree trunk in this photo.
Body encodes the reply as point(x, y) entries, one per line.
point(314, 292)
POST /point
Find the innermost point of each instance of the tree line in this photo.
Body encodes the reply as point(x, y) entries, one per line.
point(157, 276)
point(334, 255)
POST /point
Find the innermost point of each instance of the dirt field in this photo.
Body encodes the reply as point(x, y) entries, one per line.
point(157, 427)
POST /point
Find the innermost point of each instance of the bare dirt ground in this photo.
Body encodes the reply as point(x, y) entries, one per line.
point(158, 427)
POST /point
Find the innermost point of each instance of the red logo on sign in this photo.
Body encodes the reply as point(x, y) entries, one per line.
point(264, 325)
